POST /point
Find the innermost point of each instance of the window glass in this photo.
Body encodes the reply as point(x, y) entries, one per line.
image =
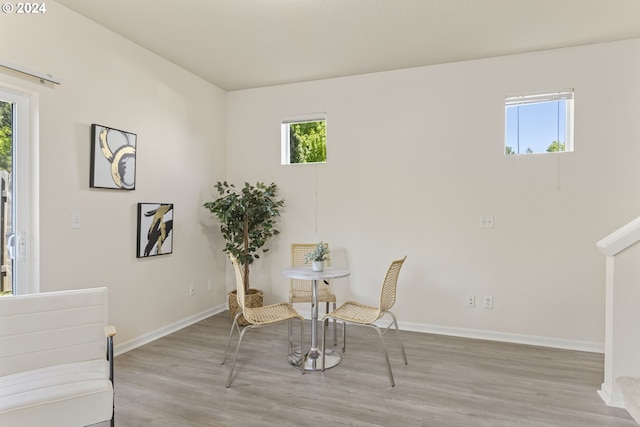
point(304, 139)
point(539, 123)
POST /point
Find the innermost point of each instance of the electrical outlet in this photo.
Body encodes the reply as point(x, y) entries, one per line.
point(192, 290)
point(488, 302)
point(486, 221)
point(210, 284)
point(471, 301)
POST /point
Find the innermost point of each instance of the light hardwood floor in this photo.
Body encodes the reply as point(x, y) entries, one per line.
point(178, 381)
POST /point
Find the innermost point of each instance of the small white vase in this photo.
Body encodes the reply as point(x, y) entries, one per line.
point(317, 265)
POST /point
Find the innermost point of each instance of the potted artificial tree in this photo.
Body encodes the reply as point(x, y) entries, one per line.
point(247, 217)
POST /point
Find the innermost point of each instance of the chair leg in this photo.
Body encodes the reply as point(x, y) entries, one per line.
point(344, 336)
point(395, 322)
point(303, 356)
point(233, 325)
point(386, 354)
point(323, 348)
point(335, 327)
point(235, 357)
point(290, 337)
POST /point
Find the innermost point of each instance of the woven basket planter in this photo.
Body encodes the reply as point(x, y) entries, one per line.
point(253, 298)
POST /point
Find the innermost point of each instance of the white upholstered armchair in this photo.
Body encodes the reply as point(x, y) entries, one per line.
point(56, 365)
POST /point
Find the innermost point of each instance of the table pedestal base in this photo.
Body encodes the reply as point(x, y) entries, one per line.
point(314, 360)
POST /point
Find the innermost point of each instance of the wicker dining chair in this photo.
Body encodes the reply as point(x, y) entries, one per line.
point(300, 290)
point(258, 317)
point(366, 315)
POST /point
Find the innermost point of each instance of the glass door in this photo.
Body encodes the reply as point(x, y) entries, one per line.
point(6, 222)
point(15, 192)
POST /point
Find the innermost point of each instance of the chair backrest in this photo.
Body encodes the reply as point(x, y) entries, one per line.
point(298, 252)
point(388, 292)
point(239, 281)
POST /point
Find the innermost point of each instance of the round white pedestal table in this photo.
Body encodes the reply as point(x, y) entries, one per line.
point(314, 361)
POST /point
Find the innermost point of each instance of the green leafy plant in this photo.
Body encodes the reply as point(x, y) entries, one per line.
point(308, 142)
point(320, 253)
point(247, 218)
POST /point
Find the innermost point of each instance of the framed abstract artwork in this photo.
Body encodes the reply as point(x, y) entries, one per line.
point(113, 158)
point(155, 229)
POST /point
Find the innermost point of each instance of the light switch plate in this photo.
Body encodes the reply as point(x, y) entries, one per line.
point(76, 220)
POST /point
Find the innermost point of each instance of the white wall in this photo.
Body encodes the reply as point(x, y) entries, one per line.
point(415, 158)
point(180, 123)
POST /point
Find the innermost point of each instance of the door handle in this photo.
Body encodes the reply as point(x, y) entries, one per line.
point(22, 246)
point(11, 245)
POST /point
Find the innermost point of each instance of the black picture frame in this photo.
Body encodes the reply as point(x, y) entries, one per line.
point(113, 158)
point(155, 229)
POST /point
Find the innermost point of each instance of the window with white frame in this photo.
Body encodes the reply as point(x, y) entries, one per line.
point(304, 139)
point(539, 123)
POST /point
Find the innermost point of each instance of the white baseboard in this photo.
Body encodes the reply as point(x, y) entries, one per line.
point(166, 330)
point(615, 400)
point(414, 327)
point(590, 347)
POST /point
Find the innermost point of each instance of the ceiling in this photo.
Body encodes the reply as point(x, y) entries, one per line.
point(240, 44)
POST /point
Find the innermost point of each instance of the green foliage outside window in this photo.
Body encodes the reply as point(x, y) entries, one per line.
point(554, 147)
point(308, 142)
point(6, 135)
